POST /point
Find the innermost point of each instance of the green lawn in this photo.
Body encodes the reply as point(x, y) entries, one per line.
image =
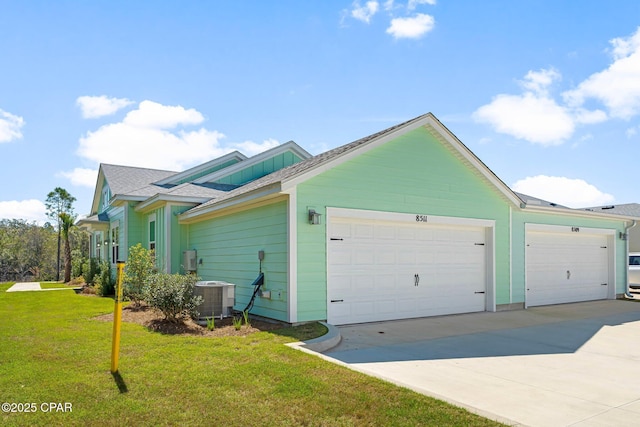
point(51, 350)
point(53, 285)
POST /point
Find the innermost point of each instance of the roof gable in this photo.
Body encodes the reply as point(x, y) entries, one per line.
point(123, 180)
point(289, 177)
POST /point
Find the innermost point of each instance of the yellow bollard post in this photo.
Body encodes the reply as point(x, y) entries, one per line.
point(117, 319)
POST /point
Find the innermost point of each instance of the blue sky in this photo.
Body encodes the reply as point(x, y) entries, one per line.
point(546, 93)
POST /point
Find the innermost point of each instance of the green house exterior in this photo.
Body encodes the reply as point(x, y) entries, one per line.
point(411, 223)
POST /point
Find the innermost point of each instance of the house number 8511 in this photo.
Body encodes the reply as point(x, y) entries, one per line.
point(421, 218)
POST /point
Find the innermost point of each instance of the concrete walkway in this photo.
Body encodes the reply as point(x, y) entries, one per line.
point(34, 286)
point(563, 365)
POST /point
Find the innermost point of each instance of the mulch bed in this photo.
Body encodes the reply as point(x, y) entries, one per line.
point(154, 321)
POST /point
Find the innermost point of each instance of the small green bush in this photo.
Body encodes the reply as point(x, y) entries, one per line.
point(90, 268)
point(172, 295)
point(104, 283)
point(140, 265)
point(77, 261)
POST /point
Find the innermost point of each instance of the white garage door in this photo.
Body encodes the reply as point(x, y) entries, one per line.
point(566, 267)
point(383, 270)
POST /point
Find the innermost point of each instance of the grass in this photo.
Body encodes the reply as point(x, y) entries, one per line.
point(53, 285)
point(53, 351)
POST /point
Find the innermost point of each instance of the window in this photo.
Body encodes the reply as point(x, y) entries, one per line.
point(98, 249)
point(115, 244)
point(106, 195)
point(152, 234)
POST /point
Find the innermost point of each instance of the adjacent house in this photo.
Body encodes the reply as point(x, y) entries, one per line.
point(404, 223)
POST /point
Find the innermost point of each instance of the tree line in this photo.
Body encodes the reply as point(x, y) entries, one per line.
point(29, 251)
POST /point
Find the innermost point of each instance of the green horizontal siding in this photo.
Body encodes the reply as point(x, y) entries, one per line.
point(413, 174)
point(229, 245)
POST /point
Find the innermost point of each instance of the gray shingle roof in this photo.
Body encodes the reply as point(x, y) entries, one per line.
point(530, 200)
point(126, 179)
point(628, 209)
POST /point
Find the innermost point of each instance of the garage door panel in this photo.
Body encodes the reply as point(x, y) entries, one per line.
point(412, 270)
point(566, 267)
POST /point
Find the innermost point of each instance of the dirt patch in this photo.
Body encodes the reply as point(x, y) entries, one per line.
point(154, 321)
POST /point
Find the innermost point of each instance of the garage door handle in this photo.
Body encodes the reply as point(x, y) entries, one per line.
point(337, 300)
point(479, 292)
point(604, 284)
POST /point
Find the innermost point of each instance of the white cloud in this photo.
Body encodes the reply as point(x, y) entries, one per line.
point(10, 126)
point(535, 116)
point(631, 132)
point(574, 193)
point(153, 136)
point(98, 106)
point(539, 81)
point(29, 210)
point(251, 148)
point(366, 12)
point(81, 177)
point(412, 4)
point(157, 116)
point(531, 117)
point(412, 28)
point(617, 87)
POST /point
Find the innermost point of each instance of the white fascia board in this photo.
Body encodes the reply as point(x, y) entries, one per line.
point(159, 199)
point(577, 212)
point(95, 204)
point(194, 170)
point(287, 146)
point(250, 197)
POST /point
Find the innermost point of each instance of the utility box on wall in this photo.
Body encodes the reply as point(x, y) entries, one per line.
point(190, 261)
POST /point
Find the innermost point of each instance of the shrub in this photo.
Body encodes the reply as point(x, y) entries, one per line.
point(77, 261)
point(172, 295)
point(140, 265)
point(90, 268)
point(104, 282)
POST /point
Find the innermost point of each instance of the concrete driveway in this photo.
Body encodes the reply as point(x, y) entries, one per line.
point(562, 365)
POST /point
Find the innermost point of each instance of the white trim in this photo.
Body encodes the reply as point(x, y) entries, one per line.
point(409, 218)
point(510, 255)
point(167, 237)
point(549, 228)
point(292, 241)
point(192, 214)
point(490, 260)
point(125, 231)
point(611, 234)
point(158, 199)
point(577, 212)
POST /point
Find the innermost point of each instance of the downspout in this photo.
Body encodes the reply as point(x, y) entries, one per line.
point(627, 293)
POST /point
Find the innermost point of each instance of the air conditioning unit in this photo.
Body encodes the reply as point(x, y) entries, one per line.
point(218, 298)
point(189, 260)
